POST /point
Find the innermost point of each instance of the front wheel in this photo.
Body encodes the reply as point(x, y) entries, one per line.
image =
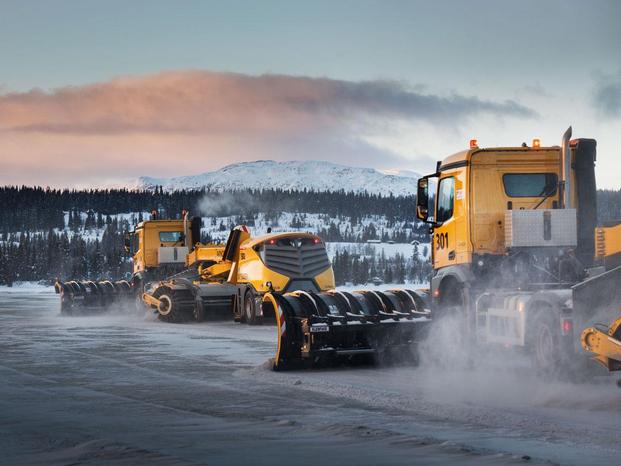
point(172, 307)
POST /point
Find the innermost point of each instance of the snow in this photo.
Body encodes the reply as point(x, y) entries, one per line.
point(369, 249)
point(27, 287)
point(291, 175)
point(122, 389)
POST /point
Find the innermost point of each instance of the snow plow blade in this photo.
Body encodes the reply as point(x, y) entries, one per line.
point(332, 328)
point(91, 297)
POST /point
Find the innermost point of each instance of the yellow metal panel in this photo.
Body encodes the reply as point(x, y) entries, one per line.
point(325, 280)
point(205, 253)
point(608, 241)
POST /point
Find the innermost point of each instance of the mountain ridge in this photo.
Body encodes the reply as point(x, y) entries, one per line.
point(290, 175)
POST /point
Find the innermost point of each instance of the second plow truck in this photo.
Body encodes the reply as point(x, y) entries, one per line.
point(514, 252)
point(288, 278)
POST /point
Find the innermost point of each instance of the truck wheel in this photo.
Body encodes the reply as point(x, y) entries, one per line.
point(546, 351)
point(249, 314)
point(168, 310)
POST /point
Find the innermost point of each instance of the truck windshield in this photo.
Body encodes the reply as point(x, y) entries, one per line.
point(530, 184)
point(170, 236)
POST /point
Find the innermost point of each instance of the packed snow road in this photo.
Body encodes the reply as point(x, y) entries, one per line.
point(130, 391)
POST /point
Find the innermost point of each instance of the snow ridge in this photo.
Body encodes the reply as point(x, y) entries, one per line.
point(291, 175)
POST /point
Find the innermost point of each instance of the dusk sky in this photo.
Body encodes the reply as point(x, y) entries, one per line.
point(102, 92)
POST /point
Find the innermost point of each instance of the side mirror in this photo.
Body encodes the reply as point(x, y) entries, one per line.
point(422, 199)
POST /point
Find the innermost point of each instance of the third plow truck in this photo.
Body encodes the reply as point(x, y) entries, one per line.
point(282, 278)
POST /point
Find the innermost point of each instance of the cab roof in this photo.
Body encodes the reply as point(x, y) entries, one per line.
point(464, 156)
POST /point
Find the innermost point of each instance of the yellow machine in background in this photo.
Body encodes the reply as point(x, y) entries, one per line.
point(247, 268)
point(158, 248)
point(514, 247)
point(287, 277)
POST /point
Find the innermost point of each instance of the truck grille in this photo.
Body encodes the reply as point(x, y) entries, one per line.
point(296, 258)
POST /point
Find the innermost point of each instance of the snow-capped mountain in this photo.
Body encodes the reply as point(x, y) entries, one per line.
point(296, 175)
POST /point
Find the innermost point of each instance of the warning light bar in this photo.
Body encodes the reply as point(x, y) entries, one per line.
point(536, 143)
point(474, 144)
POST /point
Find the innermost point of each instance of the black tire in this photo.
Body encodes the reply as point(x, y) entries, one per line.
point(249, 310)
point(546, 353)
point(170, 310)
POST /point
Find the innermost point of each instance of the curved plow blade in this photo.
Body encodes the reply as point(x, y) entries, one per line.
point(319, 329)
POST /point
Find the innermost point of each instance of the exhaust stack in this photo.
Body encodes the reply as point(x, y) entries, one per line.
point(565, 167)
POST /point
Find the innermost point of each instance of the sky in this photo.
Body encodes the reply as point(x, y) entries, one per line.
point(94, 93)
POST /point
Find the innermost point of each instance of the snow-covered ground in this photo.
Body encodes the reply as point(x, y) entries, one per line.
point(130, 390)
point(26, 287)
point(387, 249)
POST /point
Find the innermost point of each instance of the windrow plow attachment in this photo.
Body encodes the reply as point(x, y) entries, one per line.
point(91, 297)
point(328, 328)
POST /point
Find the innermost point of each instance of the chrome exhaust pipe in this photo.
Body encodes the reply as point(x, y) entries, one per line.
point(565, 169)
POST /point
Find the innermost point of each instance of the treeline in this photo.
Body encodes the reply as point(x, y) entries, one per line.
point(359, 269)
point(608, 205)
point(39, 209)
point(46, 256)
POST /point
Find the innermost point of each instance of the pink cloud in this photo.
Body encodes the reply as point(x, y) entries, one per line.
point(189, 121)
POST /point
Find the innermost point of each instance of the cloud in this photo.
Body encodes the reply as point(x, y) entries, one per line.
point(533, 90)
point(189, 121)
point(607, 98)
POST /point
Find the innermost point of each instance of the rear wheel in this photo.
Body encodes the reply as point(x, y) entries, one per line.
point(249, 314)
point(546, 353)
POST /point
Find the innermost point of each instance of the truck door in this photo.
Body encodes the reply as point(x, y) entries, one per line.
point(444, 233)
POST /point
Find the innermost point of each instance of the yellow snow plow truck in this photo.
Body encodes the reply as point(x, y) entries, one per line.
point(514, 250)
